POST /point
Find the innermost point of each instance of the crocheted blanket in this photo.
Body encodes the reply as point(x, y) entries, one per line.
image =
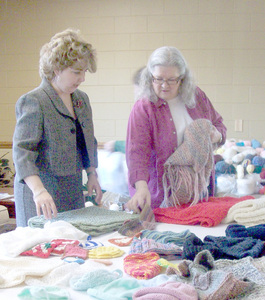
point(187, 171)
point(92, 220)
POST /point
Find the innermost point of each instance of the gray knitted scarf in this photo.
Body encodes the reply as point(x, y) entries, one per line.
point(187, 171)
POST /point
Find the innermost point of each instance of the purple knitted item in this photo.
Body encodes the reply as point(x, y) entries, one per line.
point(187, 171)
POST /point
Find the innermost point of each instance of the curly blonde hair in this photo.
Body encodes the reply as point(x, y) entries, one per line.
point(65, 49)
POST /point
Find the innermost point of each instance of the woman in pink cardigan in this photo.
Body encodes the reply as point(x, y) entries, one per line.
point(168, 101)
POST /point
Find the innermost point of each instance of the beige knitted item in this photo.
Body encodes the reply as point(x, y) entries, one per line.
point(187, 171)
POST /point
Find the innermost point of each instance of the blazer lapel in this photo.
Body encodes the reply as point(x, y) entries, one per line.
point(54, 97)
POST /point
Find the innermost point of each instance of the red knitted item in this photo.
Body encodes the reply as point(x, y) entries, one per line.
point(207, 214)
point(42, 250)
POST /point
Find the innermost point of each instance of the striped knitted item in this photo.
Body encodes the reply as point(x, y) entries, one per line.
point(168, 250)
point(164, 237)
point(187, 171)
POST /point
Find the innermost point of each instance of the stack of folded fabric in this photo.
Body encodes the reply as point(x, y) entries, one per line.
point(93, 220)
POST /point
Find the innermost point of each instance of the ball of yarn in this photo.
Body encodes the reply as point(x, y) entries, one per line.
point(259, 150)
point(247, 143)
point(240, 171)
point(224, 168)
point(229, 153)
point(250, 169)
point(238, 158)
point(218, 157)
point(262, 174)
point(240, 144)
point(220, 151)
point(249, 156)
point(258, 161)
point(257, 169)
point(255, 143)
point(262, 154)
point(246, 162)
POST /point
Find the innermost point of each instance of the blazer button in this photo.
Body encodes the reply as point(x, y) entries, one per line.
point(72, 130)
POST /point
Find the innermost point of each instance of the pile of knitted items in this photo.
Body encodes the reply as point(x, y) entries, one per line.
point(209, 282)
point(187, 171)
point(222, 247)
point(248, 213)
point(92, 220)
point(206, 213)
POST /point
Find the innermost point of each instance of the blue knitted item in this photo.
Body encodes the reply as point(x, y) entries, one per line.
point(93, 279)
point(223, 247)
point(237, 230)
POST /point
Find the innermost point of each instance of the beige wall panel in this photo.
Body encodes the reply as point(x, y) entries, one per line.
point(223, 42)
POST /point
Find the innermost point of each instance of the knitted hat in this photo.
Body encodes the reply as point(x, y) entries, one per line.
point(142, 265)
point(187, 171)
point(167, 291)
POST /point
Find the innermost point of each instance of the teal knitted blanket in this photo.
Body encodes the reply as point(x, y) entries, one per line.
point(92, 220)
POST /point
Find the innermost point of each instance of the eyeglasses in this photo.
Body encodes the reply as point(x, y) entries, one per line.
point(171, 81)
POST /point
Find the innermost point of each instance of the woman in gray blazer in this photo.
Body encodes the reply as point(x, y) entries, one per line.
point(54, 135)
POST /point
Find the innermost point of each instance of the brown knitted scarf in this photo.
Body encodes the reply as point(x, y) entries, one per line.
point(187, 171)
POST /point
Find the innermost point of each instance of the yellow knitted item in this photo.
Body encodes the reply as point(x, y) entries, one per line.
point(105, 252)
point(165, 263)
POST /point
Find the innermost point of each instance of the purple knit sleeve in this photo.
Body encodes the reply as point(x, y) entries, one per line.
point(138, 143)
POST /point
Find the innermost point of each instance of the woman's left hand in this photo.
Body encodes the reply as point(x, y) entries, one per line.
point(216, 136)
point(93, 185)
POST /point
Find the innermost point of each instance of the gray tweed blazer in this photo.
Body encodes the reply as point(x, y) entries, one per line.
point(45, 133)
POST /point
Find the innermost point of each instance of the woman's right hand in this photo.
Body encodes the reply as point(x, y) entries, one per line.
point(44, 202)
point(140, 198)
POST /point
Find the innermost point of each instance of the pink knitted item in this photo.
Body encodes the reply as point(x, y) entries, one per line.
point(167, 291)
point(187, 171)
point(142, 265)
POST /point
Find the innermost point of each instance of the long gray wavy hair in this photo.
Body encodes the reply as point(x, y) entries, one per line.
point(167, 56)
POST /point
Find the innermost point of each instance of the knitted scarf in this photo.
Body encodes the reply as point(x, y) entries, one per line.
point(187, 171)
